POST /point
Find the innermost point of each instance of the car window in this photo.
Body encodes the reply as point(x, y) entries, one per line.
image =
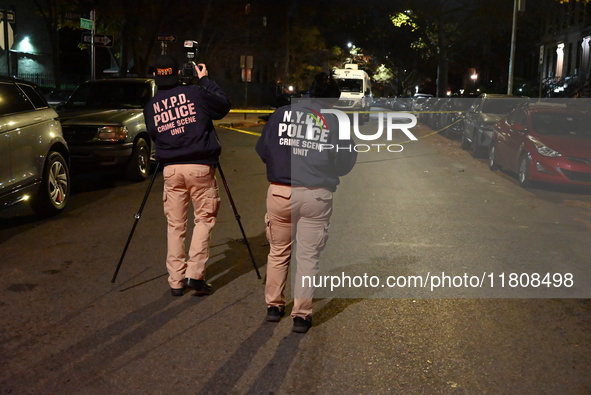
point(350, 85)
point(517, 117)
point(115, 94)
point(13, 100)
point(460, 104)
point(499, 106)
point(34, 96)
point(562, 124)
point(475, 105)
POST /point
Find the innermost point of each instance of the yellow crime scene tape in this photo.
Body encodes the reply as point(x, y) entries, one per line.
point(238, 111)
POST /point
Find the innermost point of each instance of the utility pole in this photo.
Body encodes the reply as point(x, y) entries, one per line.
point(518, 5)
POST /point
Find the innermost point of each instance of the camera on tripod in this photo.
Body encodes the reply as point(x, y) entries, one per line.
point(188, 72)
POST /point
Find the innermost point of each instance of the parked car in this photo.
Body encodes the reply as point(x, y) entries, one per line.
point(103, 123)
point(452, 115)
point(34, 155)
point(57, 98)
point(486, 110)
point(418, 99)
point(433, 112)
point(401, 103)
point(545, 143)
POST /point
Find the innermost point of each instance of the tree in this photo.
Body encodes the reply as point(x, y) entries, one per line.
point(51, 11)
point(136, 23)
point(438, 27)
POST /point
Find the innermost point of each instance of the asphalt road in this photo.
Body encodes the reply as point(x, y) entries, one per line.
point(426, 212)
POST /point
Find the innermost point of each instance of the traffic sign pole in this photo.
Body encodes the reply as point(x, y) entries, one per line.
point(7, 38)
point(164, 40)
point(92, 50)
point(100, 40)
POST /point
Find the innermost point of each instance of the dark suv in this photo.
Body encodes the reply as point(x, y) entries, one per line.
point(104, 125)
point(34, 156)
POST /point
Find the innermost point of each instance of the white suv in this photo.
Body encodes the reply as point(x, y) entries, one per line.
point(34, 157)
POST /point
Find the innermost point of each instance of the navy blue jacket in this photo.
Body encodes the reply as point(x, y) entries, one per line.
point(299, 147)
point(179, 121)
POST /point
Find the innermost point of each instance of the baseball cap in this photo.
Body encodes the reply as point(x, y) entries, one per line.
point(167, 71)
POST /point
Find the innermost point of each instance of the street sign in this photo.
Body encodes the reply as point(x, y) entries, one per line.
point(6, 40)
point(71, 15)
point(86, 24)
point(169, 38)
point(9, 15)
point(100, 40)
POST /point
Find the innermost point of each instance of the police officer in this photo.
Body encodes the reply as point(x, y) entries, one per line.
point(179, 120)
point(304, 172)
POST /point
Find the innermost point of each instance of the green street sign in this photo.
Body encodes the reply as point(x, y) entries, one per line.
point(86, 24)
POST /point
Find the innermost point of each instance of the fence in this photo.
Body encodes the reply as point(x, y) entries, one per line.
point(48, 80)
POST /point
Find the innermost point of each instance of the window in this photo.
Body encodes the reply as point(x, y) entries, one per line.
point(517, 118)
point(13, 100)
point(561, 124)
point(34, 96)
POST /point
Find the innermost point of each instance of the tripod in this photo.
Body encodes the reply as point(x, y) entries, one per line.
point(139, 214)
point(137, 217)
point(237, 216)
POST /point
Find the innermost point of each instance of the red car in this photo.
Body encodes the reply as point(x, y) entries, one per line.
point(548, 143)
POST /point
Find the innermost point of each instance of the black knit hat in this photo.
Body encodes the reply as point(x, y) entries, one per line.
point(167, 71)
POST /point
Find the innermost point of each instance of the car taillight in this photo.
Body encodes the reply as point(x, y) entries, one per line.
point(112, 133)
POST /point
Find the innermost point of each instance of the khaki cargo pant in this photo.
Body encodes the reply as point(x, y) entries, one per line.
point(184, 184)
point(302, 215)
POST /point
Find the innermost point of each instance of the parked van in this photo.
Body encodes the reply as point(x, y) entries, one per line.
point(355, 86)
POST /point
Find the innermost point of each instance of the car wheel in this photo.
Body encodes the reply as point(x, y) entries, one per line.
point(138, 167)
point(523, 173)
point(492, 159)
point(54, 191)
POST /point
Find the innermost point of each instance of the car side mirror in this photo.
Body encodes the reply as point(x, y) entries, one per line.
point(517, 127)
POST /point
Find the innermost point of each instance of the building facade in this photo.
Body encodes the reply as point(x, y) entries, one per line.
point(565, 49)
point(30, 53)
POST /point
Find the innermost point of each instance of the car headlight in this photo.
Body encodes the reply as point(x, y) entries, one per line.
point(112, 133)
point(544, 149)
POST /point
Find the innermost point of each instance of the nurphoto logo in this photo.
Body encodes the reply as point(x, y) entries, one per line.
point(345, 130)
point(309, 127)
